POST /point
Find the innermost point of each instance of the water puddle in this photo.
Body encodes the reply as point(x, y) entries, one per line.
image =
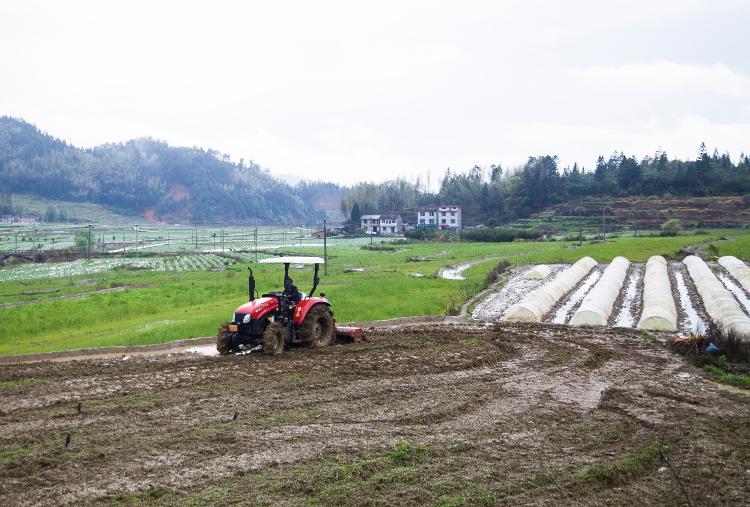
point(454, 272)
point(204, 350)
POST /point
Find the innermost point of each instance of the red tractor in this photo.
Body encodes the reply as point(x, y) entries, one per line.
point(280, 319)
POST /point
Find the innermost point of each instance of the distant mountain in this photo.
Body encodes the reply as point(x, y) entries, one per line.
point(157, 181)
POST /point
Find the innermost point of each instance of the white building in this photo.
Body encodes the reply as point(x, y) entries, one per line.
point(387, 223)
point(441, 216)
point(19, 219)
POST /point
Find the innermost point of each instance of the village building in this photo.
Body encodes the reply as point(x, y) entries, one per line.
point(19, 219)
point(440, 216)
point(383, 224)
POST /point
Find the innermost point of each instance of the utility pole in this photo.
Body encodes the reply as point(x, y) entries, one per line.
point(222, 240)
point(136, 241)
point(604, 223)
point(580, 224)
point(255, 242)
point(325, 249)
point(89, 241)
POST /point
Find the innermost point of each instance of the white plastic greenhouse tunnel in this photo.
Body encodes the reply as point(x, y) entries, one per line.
point(538, 303)
point(539, 272)
point(659, 311)
point(737, 269)
point(720, 304)
point(597, 305)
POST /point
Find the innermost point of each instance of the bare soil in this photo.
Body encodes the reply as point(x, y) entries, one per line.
point(419, 414)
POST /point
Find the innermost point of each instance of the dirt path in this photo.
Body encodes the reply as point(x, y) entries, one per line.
point(419, 414)
point(696, 248)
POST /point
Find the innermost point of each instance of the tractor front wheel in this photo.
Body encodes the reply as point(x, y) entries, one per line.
point(273, 339)
point(222, 340)
point(318, 328)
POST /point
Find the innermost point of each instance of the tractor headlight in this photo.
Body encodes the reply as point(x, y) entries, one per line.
point(246, 319)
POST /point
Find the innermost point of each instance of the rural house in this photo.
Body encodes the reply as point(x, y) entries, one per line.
point(384, 224)
point(19, 219)
point(441, 216)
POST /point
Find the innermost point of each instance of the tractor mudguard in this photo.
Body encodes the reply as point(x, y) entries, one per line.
point(300, 311)
point(259, 308)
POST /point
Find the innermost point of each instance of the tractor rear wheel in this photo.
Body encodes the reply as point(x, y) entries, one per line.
point(273, 339)
point(318, 328)
point(222, 340)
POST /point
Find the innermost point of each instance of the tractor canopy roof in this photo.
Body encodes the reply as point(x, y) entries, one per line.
point(292, 260)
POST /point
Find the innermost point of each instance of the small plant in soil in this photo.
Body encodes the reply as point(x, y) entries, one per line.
point(723, 354)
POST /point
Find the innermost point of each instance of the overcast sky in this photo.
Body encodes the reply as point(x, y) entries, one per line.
point(349, 91)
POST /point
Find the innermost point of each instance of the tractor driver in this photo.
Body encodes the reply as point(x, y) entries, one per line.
point(290, 290)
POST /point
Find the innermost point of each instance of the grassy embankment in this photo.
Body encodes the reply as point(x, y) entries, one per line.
point(169, 306)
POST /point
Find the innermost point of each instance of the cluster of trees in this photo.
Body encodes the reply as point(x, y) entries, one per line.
point(496, 196)
point(55, 215)
point(6, 204)
point(146, 176)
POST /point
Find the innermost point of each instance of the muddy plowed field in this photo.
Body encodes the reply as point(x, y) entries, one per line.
point(419, 414)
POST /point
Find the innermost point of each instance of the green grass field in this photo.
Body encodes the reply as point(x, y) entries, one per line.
point(165, 306)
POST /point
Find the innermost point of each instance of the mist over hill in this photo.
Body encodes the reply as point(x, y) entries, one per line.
point(148, 177)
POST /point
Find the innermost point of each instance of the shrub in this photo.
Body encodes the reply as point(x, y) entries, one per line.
point(493, 275)
point(431, 234)
point(81, 240)
point(671, 227)
point(731, 348)
point(379, 247)
point(500, 235)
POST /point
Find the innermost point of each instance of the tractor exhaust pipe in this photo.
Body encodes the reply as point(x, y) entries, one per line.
point(251, 285)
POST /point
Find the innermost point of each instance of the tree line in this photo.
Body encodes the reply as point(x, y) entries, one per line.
point(497, 196)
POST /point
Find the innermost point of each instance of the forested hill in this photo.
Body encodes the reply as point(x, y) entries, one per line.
point(150, 178)
point(496, 196)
